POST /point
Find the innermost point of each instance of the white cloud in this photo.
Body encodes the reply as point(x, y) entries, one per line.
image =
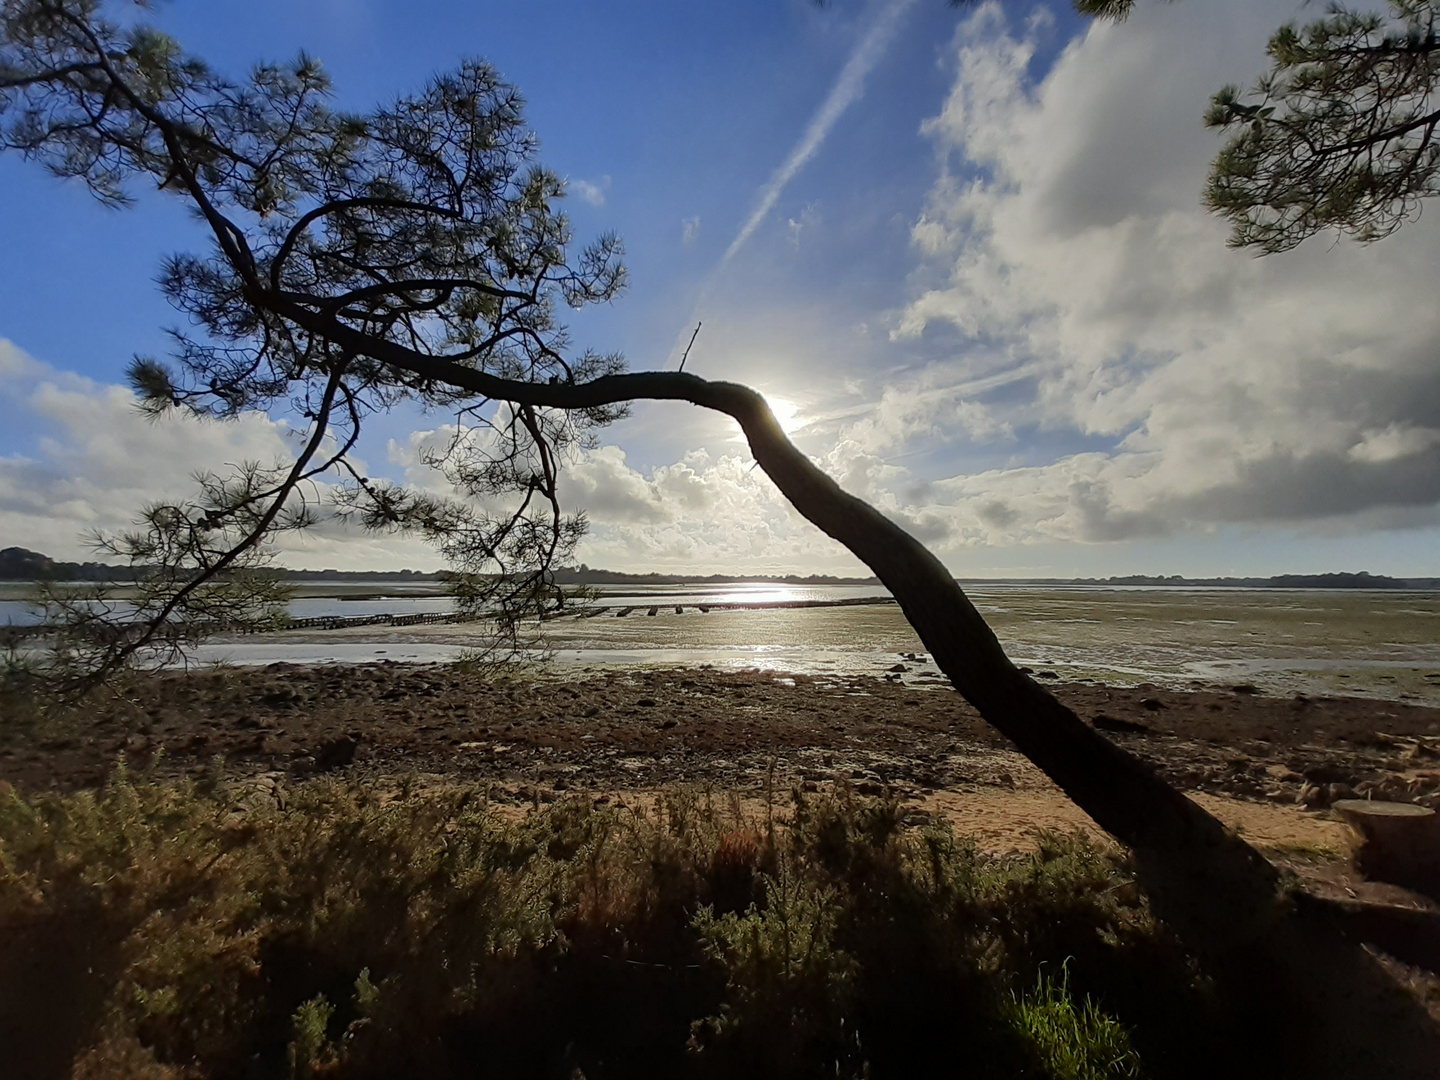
point(808, 219)
point(696, 514)
point(920, 409)
point(690, 229)
point(591, 192)
point(15, 364)
point(1066, 230)
point(1394, 442)
point(612, 492)
point(97, 460)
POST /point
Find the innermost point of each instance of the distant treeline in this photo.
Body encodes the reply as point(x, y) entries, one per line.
point(1362, 580)
point(357, 575)
point(20, 564)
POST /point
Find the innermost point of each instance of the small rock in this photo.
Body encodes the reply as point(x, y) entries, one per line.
point(1336, 792)
point(1326, 773)
point(899, 668)
point(336, 753)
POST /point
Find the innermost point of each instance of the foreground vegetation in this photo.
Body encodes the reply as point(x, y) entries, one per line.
point(347, 928)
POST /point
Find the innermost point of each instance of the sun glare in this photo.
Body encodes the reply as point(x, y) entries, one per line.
point(787, 413)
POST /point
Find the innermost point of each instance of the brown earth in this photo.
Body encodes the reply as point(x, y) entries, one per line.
point(1267, 767)
point(1263, 764)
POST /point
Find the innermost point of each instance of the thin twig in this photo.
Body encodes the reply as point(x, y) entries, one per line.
point(686, 355)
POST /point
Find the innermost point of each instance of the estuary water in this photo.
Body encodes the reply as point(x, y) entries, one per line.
point(1380, 643)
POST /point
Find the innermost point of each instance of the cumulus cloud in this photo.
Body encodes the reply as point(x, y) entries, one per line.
point(1066, 232)
point(612, 492)
point(690, 229)
point(919, 409)
point(97, 460)
point(698, 513)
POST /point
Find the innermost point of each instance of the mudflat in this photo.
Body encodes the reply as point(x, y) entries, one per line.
point(1267, 765)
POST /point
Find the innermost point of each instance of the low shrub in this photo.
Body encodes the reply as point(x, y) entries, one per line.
point(346, 928)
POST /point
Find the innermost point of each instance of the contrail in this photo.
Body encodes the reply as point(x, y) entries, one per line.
point(846, 90)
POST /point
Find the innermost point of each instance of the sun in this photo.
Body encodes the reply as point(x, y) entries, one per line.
point(787, 414)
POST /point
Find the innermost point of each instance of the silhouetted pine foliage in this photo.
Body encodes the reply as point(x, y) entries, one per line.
point(1339, 135)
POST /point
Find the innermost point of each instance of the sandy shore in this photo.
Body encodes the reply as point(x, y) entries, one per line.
point(1267, 765)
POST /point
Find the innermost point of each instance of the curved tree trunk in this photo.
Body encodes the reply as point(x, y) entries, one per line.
point(1297, 979)
point(1183, 850)
point(1295, 971)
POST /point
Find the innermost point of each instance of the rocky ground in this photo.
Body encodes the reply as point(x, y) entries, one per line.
point(630, 730)
point(1266, 766)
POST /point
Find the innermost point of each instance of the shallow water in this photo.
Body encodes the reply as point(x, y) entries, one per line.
point(1383, 644)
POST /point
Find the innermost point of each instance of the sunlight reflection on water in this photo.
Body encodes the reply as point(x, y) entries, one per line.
point(1382, 644)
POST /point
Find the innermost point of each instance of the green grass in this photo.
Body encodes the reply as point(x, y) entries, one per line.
point(1070, 1041)
point(360, 929)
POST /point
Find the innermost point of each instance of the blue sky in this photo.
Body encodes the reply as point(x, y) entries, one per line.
point(984, 296)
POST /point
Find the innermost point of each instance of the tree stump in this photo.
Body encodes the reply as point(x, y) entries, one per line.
point(1394, 842)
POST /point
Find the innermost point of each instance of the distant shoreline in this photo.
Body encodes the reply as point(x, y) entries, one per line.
point(21, 566)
